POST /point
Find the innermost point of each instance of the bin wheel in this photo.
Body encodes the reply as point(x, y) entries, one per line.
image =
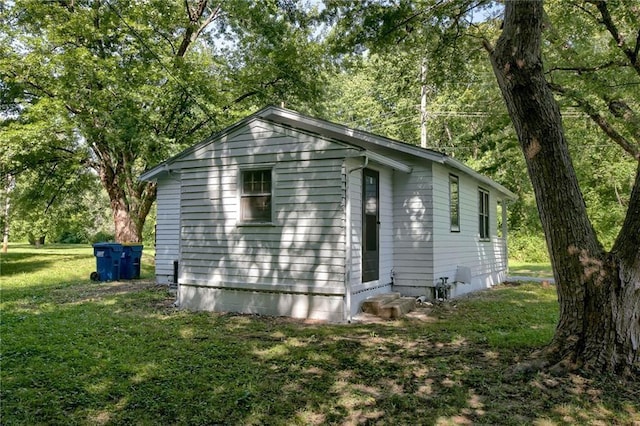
point(94, 276)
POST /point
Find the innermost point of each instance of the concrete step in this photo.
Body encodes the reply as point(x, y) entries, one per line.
point(389, 305)
point(397, 308)
point(374, 304)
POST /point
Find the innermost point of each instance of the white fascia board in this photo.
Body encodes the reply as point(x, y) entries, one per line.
point(340, 132)
point(153, 174)
point(369, 141)
point(386, 161)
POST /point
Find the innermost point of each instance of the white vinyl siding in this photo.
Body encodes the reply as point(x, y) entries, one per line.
point(167, 227)
point(302, 250)
point(359, 290)
point(413, 239)
point(485, 258)
point(386, 242)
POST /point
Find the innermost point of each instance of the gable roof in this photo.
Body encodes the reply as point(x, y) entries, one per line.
point(369, 142)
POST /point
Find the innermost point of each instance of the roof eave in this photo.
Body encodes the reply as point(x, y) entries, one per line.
point(489, 182)
point(340, 132)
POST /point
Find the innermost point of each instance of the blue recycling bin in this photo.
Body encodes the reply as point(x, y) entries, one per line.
point(108, 260)
point(130, 261)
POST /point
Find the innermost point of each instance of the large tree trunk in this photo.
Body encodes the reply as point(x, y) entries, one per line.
point(126, 229)
point(129, 215)
point(598, 292)
point(130, 199)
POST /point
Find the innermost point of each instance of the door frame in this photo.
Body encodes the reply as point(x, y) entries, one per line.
point(370, 257)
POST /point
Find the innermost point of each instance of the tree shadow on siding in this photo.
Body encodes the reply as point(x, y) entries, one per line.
point(298, 249)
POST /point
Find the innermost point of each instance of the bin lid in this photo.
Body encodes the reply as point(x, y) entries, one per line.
point(111, 246)
point(132, 244)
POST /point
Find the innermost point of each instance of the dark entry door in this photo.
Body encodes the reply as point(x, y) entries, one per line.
point(370, 222)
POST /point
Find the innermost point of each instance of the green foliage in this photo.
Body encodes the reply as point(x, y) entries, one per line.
point(606, 174)
point(137, 100)
point(384, 44)
point(119, 86)
point(372, 95)
point(588, 57)
point(149, 230)
point(72, 212)
point(102, 236)
point(525, 247)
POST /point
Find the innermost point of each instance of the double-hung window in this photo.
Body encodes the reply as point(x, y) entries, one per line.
point(454, 203)
point(256, 196)
point(483, 213)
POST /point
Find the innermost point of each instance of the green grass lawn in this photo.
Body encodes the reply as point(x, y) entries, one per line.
point(78, 352)
point(528, 269)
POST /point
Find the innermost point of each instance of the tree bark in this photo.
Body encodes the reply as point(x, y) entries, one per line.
point(126, 230)
point(130, 210)
point(598, 292)
point(5, 212)
point(130, 200)
point(130, 207)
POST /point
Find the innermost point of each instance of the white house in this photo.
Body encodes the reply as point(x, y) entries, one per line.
point(285, 214)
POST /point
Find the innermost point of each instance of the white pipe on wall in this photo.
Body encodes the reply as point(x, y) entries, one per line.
point(347, 275)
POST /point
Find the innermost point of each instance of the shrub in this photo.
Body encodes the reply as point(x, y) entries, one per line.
point(72, 237)
point(525, 247)
point(102, 236)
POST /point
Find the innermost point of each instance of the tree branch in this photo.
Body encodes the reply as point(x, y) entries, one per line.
point(636, 51)
point(487, 46)
point(213, 15)
point(197, 127)
point(607, 20)
point(620, 109)
point(581, 70)
point(597, 118)
point(628, 240)
point(43, 91)
point(191, 33)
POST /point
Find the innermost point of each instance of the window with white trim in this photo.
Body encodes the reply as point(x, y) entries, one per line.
point(255, 196)
point(499, 206)
point(483, 213)
point(454, 203)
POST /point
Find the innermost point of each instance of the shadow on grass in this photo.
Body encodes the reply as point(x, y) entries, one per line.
point(24, 259)
point(89, 355)
point(20, 263)
point(537, 270)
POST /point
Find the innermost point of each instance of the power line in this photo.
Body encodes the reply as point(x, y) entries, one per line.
point(404, 118)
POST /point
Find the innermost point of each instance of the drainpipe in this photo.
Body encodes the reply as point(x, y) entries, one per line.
point(505, 237)
point(347, 275)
